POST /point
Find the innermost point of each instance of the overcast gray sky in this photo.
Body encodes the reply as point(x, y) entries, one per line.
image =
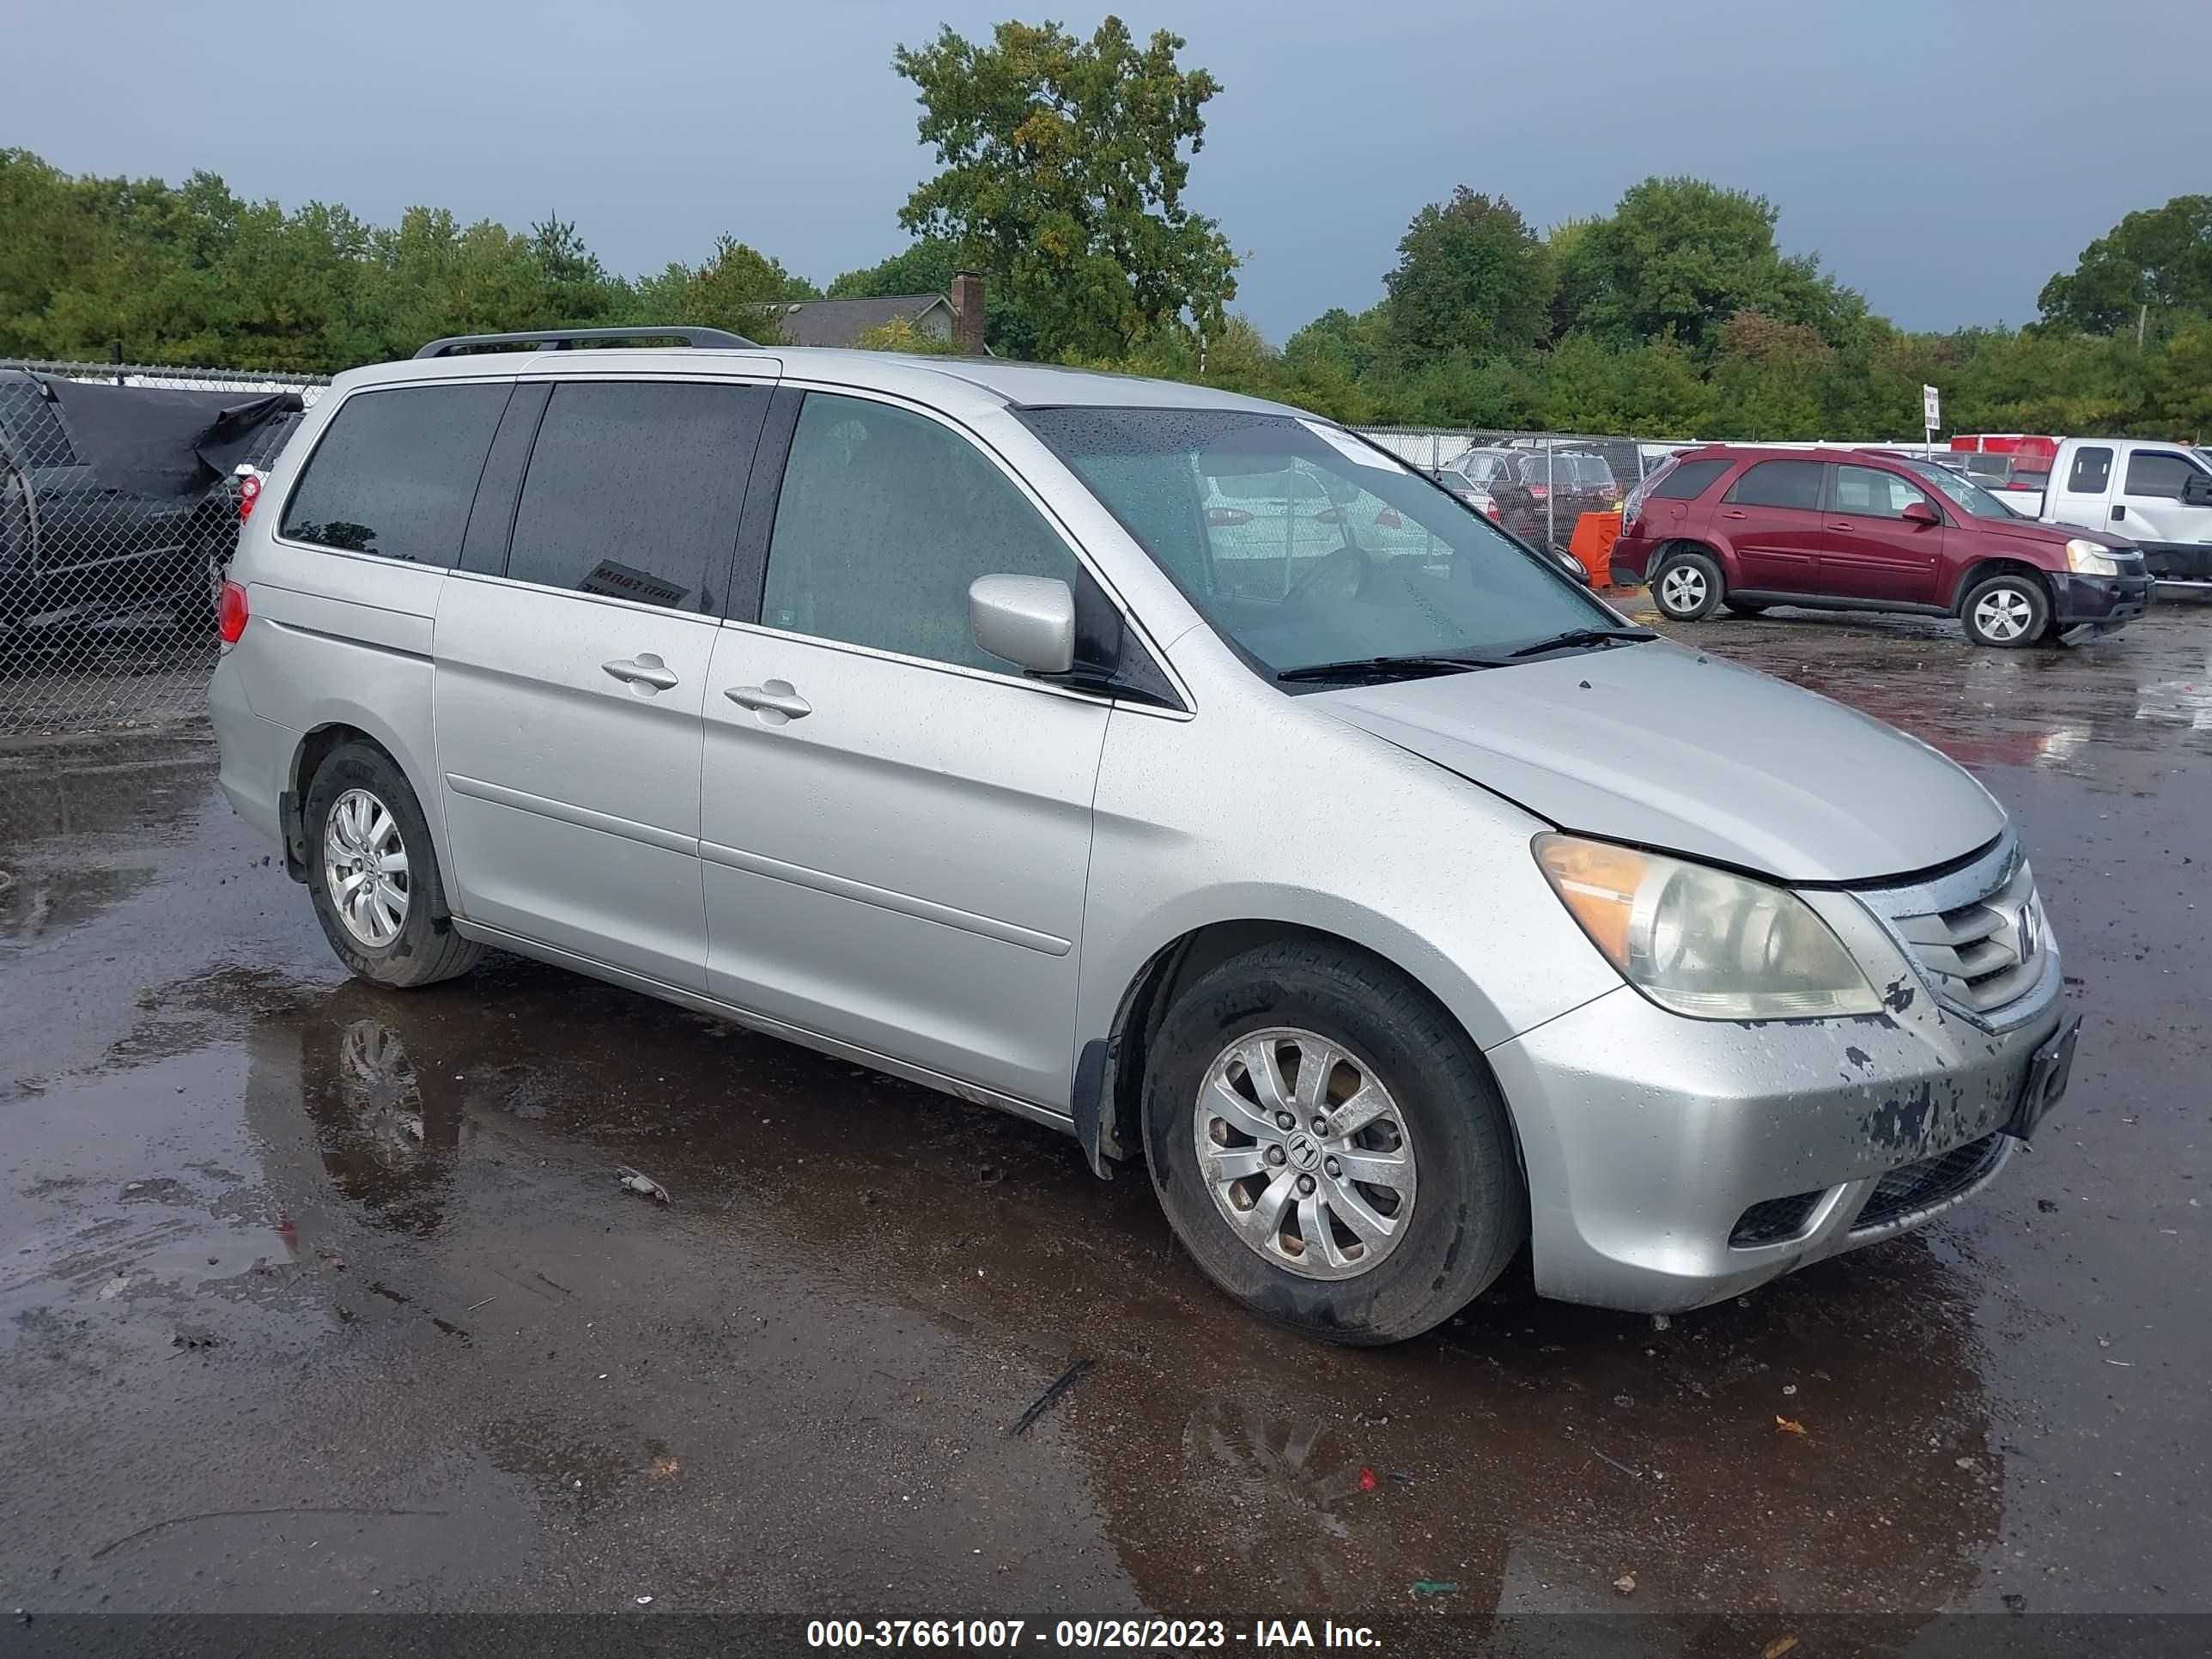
point(1942, 157)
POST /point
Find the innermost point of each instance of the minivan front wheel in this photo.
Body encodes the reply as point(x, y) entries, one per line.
point(1328, 1147)
point(1687, 587)
point(2006, 611)
point(373, 875)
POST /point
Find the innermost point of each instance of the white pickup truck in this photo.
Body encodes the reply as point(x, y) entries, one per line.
point(2158, 495)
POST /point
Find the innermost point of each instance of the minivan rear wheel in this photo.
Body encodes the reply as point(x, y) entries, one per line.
point(373, 874)
point(2007, 611)
point(1687, 587)
point(1328, 1145)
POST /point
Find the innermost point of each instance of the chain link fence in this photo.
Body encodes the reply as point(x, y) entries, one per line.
point(118, 514)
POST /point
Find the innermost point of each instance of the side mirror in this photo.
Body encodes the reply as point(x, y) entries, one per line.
point(2196, 490)
point(1573, 566)
point(1027, 620)
point(1920, 512)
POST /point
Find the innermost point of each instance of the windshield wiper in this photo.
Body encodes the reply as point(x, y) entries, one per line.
point(1368, 668)
point(1590, 637)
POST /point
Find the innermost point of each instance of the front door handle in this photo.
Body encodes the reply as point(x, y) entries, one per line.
point(1841, 524)
point(643, 669)
point(772, 697)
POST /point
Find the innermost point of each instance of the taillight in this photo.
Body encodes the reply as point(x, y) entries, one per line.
point(230, 613)
point(1388, 518)
point(249, 491)
point(1220, 518)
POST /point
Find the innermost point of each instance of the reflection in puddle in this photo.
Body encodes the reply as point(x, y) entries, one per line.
point(447, 1157)
point(1287, 1485)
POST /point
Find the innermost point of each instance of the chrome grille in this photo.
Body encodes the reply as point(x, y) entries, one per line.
point(1982, 954)
point(1976, 934)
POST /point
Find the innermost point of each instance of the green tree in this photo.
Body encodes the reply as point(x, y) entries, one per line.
point(2181, 397)
point(1471, 275)
point(1681, 255)
point(2153, 263)
point(927, 265)
point(739, 289)
point(1064, 165)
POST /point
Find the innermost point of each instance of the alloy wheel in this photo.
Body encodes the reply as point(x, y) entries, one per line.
point(2003, 613)
point(365, 868)
point(1683, 588)
point(1305, 1152)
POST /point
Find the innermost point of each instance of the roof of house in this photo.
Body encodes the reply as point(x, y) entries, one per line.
point(842, 322)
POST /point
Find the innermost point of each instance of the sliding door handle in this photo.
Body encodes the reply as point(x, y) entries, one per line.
point(643, 669)
point(772, 697)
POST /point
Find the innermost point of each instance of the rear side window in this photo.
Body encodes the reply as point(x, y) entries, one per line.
point(1687, 480)
point(2092, 471)
point(2158, 472)
point(397, 470)
point(1780, 484)
point(634, 490)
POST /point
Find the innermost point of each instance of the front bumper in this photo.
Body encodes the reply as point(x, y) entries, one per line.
point(1673, 1161)
point(2101, 602)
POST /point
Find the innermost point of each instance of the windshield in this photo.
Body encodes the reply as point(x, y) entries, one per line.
point(1301, 545)
point(1967, 497)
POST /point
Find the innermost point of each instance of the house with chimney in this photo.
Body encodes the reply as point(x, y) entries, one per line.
point(956, 318)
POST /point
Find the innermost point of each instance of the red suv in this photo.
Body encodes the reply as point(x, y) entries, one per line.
point(1845, 529)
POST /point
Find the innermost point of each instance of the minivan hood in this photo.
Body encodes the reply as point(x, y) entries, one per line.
point(1660, 746)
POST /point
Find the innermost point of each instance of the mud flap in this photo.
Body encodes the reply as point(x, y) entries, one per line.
point(1088, 1107)
point(293, 822)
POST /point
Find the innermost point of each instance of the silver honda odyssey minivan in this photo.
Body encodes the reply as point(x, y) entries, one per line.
point(1172, 769)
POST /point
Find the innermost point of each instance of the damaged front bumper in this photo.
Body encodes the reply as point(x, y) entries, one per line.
point(1675, 1162)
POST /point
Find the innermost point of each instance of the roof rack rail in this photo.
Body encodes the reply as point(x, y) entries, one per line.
point(562, 339)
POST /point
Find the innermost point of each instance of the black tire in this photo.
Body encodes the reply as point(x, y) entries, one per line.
point(1468, 1214)
point(2007, 601)
point(1693, 601)
point(425, 948)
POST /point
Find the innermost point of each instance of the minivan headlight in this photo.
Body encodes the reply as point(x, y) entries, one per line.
point(1702, 942)
point(2089, 559)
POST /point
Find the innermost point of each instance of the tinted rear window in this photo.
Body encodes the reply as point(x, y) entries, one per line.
point(397, 470)
point(1687, 480)
point(634, 490)
point(1780, 484)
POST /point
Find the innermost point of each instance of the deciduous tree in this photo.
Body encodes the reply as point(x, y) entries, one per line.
point(1064, 163)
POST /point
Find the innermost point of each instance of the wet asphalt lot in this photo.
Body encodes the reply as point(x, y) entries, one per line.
point(319, 1298)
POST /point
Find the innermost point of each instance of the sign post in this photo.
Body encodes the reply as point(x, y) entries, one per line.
point(1931, 412)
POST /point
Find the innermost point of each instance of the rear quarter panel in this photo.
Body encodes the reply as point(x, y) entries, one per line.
point(338, 638)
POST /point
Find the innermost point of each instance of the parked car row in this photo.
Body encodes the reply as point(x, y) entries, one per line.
point(1746, 527)
point(1537, 494)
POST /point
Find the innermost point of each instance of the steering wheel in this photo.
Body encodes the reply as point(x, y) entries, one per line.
point(1329, 574)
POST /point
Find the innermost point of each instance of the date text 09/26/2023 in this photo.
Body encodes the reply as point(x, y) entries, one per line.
point(1138, 1635)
